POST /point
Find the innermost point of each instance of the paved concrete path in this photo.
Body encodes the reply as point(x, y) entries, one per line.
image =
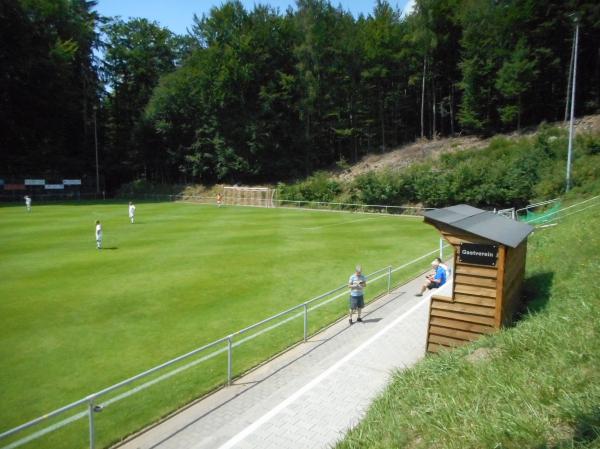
point(311, 395)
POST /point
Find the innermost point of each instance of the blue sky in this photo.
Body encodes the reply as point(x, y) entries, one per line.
point(177, 14)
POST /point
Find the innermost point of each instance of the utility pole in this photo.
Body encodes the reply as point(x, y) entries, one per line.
point(570, 150)
point(569, 82)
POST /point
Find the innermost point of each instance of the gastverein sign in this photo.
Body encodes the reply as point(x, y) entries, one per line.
point(478, 254)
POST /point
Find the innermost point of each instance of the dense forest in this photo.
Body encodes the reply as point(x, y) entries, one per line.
point(268, 95)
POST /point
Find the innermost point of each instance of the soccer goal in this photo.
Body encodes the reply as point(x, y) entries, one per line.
point(249, 196)
point(508, 213)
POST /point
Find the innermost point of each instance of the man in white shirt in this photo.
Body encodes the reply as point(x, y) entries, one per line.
point(98, 235)
point(131, 212)
point(28, 203)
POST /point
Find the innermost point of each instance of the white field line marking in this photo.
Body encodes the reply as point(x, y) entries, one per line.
point(45, 430)
point(546, 226)
point(339, 223)
point(270, 414)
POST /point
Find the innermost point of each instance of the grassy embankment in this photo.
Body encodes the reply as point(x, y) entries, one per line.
point(535, 385)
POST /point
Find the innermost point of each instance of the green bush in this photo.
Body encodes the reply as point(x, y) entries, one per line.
point(586, 170)
point(508, 173)
point(318, 187)
point(552, 181)
point(430, 185)
point(381, 188)
point(552, 142)
point(589, 143)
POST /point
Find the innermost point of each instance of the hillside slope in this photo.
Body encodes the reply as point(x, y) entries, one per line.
point(396, 160)
point(423, 149)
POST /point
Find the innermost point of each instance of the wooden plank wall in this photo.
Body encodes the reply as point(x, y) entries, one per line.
point(513, 281)
point(471, 312)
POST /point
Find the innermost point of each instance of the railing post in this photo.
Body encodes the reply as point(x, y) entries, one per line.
point(441, 248)
point(229, 359)
point(389, 279)
point(91, 407)
point(305, 321)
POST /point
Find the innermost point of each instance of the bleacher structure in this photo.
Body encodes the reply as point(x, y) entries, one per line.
point(484, 293)
point(249, 196)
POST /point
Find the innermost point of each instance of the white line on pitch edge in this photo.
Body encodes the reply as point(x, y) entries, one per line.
point(339, 223)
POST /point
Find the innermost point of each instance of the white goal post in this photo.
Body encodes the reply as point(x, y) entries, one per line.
point(249, 196)
point(508, 213)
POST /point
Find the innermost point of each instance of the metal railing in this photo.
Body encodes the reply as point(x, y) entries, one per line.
point(91, 402)
point(381, 208)
point(558, 214)
point(207, 199)
point(534, 205)
point(303, 204)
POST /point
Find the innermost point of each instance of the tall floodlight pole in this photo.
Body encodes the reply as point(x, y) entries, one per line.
point(96, 148)
point(569, 82)
point(570, 150)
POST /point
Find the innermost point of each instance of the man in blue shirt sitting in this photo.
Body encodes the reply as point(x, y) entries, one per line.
point(435, 280)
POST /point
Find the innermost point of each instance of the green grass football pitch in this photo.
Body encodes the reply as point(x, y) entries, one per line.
point(74, 320)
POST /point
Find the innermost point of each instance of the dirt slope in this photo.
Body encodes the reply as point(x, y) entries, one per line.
point(423, 148)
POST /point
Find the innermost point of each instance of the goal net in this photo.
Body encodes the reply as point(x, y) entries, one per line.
point(508, 213)
point(249, 196)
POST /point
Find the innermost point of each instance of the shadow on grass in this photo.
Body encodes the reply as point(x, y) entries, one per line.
point(536, 292)
point(585, 432)
point(587, 427)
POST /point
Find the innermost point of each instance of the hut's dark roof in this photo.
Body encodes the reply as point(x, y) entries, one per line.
point(482, 223)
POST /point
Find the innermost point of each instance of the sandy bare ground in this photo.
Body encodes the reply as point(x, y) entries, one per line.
point(406, 155)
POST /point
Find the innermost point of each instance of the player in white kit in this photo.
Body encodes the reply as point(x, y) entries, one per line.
point(28, 203)
point(131, 212)
point(98, 234)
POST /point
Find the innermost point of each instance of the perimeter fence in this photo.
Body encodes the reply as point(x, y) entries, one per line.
point(109, 415)
point(536, 212)
point(51, 196)
point(309, 205)
point(554, 212)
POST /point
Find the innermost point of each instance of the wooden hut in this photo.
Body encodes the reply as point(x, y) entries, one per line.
point(489, 265)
